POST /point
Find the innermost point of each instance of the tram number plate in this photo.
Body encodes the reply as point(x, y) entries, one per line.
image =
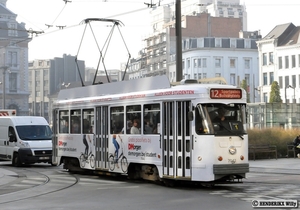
point(232, 161)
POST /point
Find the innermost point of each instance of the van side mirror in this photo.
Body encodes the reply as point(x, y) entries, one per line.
point(12, 138)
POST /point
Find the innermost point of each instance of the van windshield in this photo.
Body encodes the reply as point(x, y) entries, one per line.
point(34, 132)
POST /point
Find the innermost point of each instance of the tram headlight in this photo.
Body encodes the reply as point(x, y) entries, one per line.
point(232, 150)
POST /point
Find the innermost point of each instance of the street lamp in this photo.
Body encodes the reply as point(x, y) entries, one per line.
point(258, 89)
point(178, 41)
point(4, 68)
point(285, 94)
point(294, 98)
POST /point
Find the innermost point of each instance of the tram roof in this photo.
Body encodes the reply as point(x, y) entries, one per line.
point(142, 84)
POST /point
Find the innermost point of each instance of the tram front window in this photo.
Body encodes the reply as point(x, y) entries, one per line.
point(220, 119)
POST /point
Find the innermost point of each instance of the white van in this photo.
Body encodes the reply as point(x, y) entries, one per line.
point(25, 140)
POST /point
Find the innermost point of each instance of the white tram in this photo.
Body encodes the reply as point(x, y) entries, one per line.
point(178, 135)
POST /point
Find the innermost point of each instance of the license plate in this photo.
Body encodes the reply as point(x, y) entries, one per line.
point(44, 158)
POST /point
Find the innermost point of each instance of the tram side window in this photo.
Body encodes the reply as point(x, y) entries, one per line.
point(75, 121)
point(133, 116)
point(151, 118)
point(88, 120)
point(199, 123)
point(64, 122)
point(117, 120)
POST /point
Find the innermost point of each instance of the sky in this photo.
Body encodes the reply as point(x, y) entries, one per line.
point(77, 39)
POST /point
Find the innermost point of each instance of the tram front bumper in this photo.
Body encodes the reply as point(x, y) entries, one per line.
point(223, 170)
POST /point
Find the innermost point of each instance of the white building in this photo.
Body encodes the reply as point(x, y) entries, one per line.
point(234, 59)
point(280, 61)
point(200, 19)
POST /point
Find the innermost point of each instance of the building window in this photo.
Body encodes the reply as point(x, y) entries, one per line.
point(233, 43)
point(247, 43)
point(199, 62)
point(265, 97)
point(13, 77)
point(232, 63)
point(200, 42)
point(286, 80)
point(280, 82)
point(183, 63)
point(271, 77)
point(286, 62)
point(204, 75)
point(217, 62)
point(293, 61)
point(12, 59)
point(195, 63)
point(13, 29)
point(188, 63)
point(218, 74)
point(280, 62)
point(294, 80)
point(265, 59)
point(265, 79)
point(218, 43)
point(271, 61)
point(204, 63)
point(247, 64)
point(247, 78)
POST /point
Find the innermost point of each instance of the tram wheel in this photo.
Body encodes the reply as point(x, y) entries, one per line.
point(169, 183)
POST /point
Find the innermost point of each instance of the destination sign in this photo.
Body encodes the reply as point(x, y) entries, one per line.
point(218, 93)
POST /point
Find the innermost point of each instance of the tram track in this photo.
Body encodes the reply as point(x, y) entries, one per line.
point(29, 183)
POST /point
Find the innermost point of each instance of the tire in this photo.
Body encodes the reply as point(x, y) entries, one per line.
point(16, 160)
point(124, 164)
point(111, 162)
point(82, 160)
point(92, 161)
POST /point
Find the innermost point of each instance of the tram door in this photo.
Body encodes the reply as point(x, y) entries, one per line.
point(176, 139)
point(55, 123)
point(101, 134)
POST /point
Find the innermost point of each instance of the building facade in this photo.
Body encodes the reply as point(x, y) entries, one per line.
point(234, 59)
point(200, 19)
point(279, 60)
point(47, 78)
point(14, 41)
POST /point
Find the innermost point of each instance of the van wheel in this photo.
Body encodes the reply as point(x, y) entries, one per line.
point(16, 160)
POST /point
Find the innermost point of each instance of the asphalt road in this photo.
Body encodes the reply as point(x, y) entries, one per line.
point(45, 187)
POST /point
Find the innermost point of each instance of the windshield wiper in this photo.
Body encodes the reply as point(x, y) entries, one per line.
point(230, 131)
